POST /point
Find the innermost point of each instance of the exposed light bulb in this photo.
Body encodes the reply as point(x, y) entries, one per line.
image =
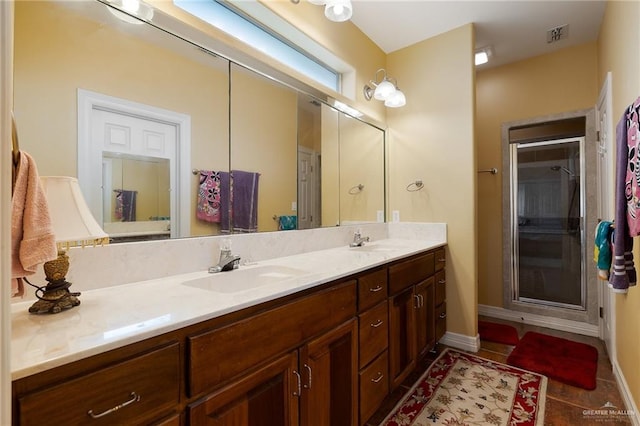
point(131, 6)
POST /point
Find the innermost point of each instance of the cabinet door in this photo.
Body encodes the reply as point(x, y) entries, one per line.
point(266, 397)
point(402, 351)
point(329, 367)
point(425, 319)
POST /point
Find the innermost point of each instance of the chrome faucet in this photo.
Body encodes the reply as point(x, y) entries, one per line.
point(358, 239)
point(227, 261)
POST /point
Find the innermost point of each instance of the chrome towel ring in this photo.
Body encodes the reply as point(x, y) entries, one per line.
point(415, 186)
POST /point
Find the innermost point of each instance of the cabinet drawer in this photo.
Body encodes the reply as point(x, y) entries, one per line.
point(372, 289)
point(373, 336)
point(219, 355)
point(407, 273)
point(374, 386)
point(441, 321)
point(134, 391)
point(441, 259)
point(441, 287)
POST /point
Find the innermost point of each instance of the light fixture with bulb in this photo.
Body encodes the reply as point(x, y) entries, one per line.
point(334, 10)
point(482, 55)
point(131, 11)
point(384, 89)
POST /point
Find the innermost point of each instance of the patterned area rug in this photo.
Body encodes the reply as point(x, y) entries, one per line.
point(463, 389)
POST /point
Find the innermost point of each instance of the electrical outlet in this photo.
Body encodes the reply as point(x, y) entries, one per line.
point(380, 216)
point(395, 216)
point(294, 206)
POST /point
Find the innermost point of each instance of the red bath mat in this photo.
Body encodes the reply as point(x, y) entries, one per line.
point(499, 333)
point(569, 362)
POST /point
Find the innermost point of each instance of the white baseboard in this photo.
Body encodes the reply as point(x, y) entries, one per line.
point(625, 392)
point(540, 320)
point(461, 341)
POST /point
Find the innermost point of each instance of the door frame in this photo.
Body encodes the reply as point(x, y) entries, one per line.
point(606, 206)
point(89, 178)
point(558, 317)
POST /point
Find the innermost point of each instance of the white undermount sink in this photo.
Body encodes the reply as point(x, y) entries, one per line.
point(245, 278)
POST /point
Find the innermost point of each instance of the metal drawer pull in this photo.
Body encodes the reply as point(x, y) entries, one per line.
point(308, 386)
point(443, 315)
point(376, 289)
point(377, 379)
point(442, 260)
point(442, 281)
point(299, 393)
point(134, 398)
point(377, 324)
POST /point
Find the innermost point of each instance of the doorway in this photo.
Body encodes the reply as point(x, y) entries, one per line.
point(547, 221)
point(549, 249)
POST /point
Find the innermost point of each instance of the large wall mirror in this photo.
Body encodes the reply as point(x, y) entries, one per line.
point(170, 140)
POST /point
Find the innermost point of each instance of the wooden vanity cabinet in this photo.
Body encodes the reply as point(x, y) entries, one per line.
point(134, 392)
point(373, 341)
point(326, 356)
point(316, 382)
point(412, 313)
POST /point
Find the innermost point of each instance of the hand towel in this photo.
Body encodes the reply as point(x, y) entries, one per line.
point(225, 202)
point(32, 238)
point(624, 273)
point(208, 204)
point(244, 199)
point(286, 223)
point(602, 249)
point(125, 209)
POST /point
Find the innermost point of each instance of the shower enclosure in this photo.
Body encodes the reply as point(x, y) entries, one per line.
point(547, 204)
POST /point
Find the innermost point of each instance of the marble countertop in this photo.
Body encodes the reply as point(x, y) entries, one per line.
point(116, 316)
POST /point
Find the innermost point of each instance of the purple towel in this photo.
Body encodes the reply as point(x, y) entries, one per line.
point(225, 203)
point(244, 200)
point(125, 209)
point(624, 272)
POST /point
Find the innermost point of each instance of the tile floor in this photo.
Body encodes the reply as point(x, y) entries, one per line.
point(565, 404)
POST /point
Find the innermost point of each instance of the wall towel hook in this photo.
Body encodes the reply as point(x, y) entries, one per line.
point(415, 186)
point(492, 170)
point(356, 189)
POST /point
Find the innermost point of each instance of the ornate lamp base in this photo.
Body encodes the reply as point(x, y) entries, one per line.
point(56, 296)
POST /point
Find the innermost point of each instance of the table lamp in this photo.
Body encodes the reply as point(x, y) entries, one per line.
point(73, 225)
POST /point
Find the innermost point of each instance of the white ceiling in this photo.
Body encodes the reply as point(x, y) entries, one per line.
point(515, 29)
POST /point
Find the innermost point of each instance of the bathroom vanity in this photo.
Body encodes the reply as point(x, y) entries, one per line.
point(316, 338)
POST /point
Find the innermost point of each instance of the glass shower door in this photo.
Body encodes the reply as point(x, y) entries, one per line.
point(547, 205)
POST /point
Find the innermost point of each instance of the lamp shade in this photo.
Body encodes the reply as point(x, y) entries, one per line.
point(384, 90)
point(338, 10)
point(396, 99)
point(72, 221)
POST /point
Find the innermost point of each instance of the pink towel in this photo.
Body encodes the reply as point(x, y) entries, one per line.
point(208, 206)
point(32, 238)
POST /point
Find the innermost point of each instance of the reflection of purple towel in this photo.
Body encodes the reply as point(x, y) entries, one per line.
point(126, 205)
point(225, 202)
point(244, 201)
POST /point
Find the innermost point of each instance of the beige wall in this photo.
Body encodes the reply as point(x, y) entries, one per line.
point(617, 49)
point(562, 81)
point(432, 139)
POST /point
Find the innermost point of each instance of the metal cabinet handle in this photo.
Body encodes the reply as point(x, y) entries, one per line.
point(442, 260)
point(134, 397)
point(376, 289)
point(442, 281)
point(421, 300)
point(299, 393)
point(443, 315)
point(376, 324)
point(417, 299)
point(377, 379)
point(308, 385)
